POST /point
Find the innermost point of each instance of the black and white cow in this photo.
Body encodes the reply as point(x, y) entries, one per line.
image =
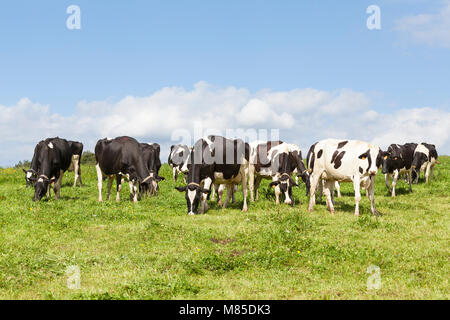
point(53, 158)
point(310, 163)
point(150, 153)
point(31, 174)
point(215, 159)
point(77, 151)
point(119, 157)
point(177, 158)
point(344, 161)
point(397, 160)
point(275, 160)
point(425, 158)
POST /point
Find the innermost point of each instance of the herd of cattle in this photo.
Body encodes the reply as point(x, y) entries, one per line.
point(215, 163)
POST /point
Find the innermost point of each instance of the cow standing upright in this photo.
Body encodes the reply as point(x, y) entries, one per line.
point(77, 152)
point(425, 156)
point(150, 153)
point(54, 157)
point(177, 158)
point(215, 159)
point(397, 160)
point(31, 174)
point(345, 161)
point(119, 157)
point(277, 161)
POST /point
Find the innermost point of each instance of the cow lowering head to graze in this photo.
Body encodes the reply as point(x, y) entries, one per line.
point(215, 159)
point(177, 159)
point(150, 153)
point(344, 161)
point(300, 169)
point(119, 157)
point(277, 161)
point(397, 160)
point(54, 157)
point(77, 152)
point(425, 158)
point(31, 174)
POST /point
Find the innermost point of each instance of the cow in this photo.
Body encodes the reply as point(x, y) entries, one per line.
point(397, 160)
point(119, 157)
point(31, 174)
point(425, 156)
point(219, 160)
point(53, 158)
point(177, 158)
point(310, 163)
point(275, 160)
point(219, 189)
point(77, 151)
point(344, 161)
point(150, 153)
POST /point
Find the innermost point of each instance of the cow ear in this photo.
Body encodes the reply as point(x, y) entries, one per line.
point(25, 171)
point(159, 178)
point(274, 183)
point(181, 189)
point(293, 182)
point(205, 191)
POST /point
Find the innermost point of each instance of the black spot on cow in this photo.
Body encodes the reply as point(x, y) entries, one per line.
point(341, 144)
point(319, 154)
point(361, 170)
point(337, 161)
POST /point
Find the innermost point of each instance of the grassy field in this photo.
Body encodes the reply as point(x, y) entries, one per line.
point(153, 250)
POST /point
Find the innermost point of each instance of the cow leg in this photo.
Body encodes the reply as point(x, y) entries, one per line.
point(410, 180)
point(119, 182)
point(251, 182)
point(277, 191)
point(320, 190)
point(229, 194)
point(244, 186)
point(427, 172)
point(328, 189)
point(257, 183)
point(57, 185)
point(214, 190)
point(386, 181)
point(371, 192)
point(338, 189)
point(108, 187)
point(75, 169)
point(133, 190)
point(315, 180)
point(99, 181)
point(175, 174)
point(394, 182)
point(233, 193)
point(80, 183)
point(220, 189)
point(204, 202)
point(357, 188)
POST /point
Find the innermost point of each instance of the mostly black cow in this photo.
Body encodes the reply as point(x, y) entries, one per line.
point(77, 152)
point(177, 159)
point(215, 160)
point(53, 158)
point(119, 157)
point(150, 153)
point(397, 160)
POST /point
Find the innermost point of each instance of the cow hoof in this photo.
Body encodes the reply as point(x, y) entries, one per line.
point(332, 212)
point(356, 214)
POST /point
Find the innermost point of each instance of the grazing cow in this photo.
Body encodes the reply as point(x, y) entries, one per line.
point(344, 161)
point(310, 157)
point(425, 156)
point(31, 174)
point(397, 160)
point(53, 157)
point(215, 159)
point(77, 151)
point(177, 158)
point(275, 160)
point(150, 153)
point(219, 189)
point(119, 157)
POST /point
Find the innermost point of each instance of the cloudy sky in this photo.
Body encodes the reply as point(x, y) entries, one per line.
point(311, 69)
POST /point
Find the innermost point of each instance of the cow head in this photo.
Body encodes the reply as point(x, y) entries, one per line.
point(41, 186)
point(391, 160)
point(193, 195)
point(419, 159)
point(367, 161)
point(30, 176)
point(151, 185)
point(285, 184)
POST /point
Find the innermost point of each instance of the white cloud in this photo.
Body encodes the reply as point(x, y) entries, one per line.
point(303, 116)
point(430, 29)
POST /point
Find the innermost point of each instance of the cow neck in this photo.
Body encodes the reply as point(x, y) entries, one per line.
point(142, 170)
point(45, 167)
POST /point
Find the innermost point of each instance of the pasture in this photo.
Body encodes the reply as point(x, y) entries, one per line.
point(153, 250)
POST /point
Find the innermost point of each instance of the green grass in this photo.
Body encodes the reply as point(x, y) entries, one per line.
point(153, 250)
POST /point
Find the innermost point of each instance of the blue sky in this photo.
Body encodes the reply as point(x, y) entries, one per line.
point(135, 48)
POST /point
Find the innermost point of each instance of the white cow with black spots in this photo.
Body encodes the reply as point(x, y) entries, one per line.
point(345, 161)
